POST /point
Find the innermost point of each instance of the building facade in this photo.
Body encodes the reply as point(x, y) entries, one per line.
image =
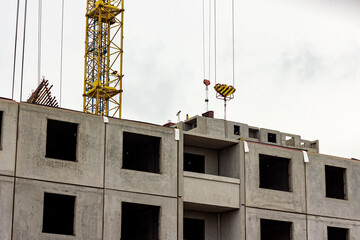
point(69, 175)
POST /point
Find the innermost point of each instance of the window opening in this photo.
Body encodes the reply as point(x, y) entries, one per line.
point(290, 141)
point(274, 172)
point(275, 230)
point(253, 133)
point(141, 152)
point(194, 229)
point(139, 222)
point(335, 182)
point(236, 130)
point(335, 233)
point(61, 140)
point(271, 137)
point(194, 163)
point(58, 215)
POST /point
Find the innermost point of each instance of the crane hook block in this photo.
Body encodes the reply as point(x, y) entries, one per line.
point(224, 90)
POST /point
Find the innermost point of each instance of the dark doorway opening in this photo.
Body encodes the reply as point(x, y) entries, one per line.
point(58, 215)
point(274, 172)
point(139, 222)
point(275, 230)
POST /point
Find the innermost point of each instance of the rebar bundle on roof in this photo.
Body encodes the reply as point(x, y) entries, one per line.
point(42, 95)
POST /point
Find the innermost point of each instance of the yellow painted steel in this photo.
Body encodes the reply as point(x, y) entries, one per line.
point(103, 57)
point(224, 90)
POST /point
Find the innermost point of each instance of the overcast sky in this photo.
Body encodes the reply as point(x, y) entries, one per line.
point(297, 63)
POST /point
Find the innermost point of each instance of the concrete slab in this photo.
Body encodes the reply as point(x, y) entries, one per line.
point(8, 132)
point(32, 163)
point(29, 204)
point(163, 183)
point(294, 200)
point(112, 218)
point(6, 204)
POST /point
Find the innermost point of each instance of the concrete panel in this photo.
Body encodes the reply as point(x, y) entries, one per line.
point(163, 183)
point(254, 215)
point(231, 225)
point(32, 163)
point(317, 227)
point(8, 136)
point(29, 204)
point(244, 130)
point(215, 127)
point(167, 217)
point(273, 199)
point(317, 202)
point(264, 136)
point(229, 164)
point(6, 204)
point(211, 190)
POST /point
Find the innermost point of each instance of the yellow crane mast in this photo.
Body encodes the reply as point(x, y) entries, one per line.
point(103, 57)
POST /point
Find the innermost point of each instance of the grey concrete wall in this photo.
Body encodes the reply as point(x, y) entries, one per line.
point(254, 215)
point(163, 183)
point(229, 161)
point(273, 199)
point(28, 213)
point(6, 204)
point(32, 163)
point(8, 136)
point(232, 224)
point(317, 227)
point(264, 136)
point(244, 130)
point(112, 213)
point(317, 202)
point(211, 190)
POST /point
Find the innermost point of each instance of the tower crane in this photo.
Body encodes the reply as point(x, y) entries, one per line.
point(103, 57)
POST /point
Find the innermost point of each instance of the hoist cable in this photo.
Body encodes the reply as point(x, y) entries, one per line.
point(23, 52)
point(215, 39)
point(15, 48)
point(233, 42)
point(209, 39)
point(203, 15)
point(62, 47)
point(39, 40)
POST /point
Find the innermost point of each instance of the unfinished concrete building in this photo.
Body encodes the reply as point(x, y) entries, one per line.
point(69, 175)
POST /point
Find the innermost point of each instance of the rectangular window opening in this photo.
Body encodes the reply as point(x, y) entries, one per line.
point(237, 130)
point(141, 152)
point(253, 133)
point(271, 137)
point(1, 117)
point(58, 214)
point(274, 172)
point(335, 233)
point(275, 230)
point(194, 163)
point(61, 138)
point(335, 182)
point(139, 221)
point(194, 229)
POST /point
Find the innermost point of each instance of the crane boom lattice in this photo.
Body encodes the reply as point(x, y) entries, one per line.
point(103, 57)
